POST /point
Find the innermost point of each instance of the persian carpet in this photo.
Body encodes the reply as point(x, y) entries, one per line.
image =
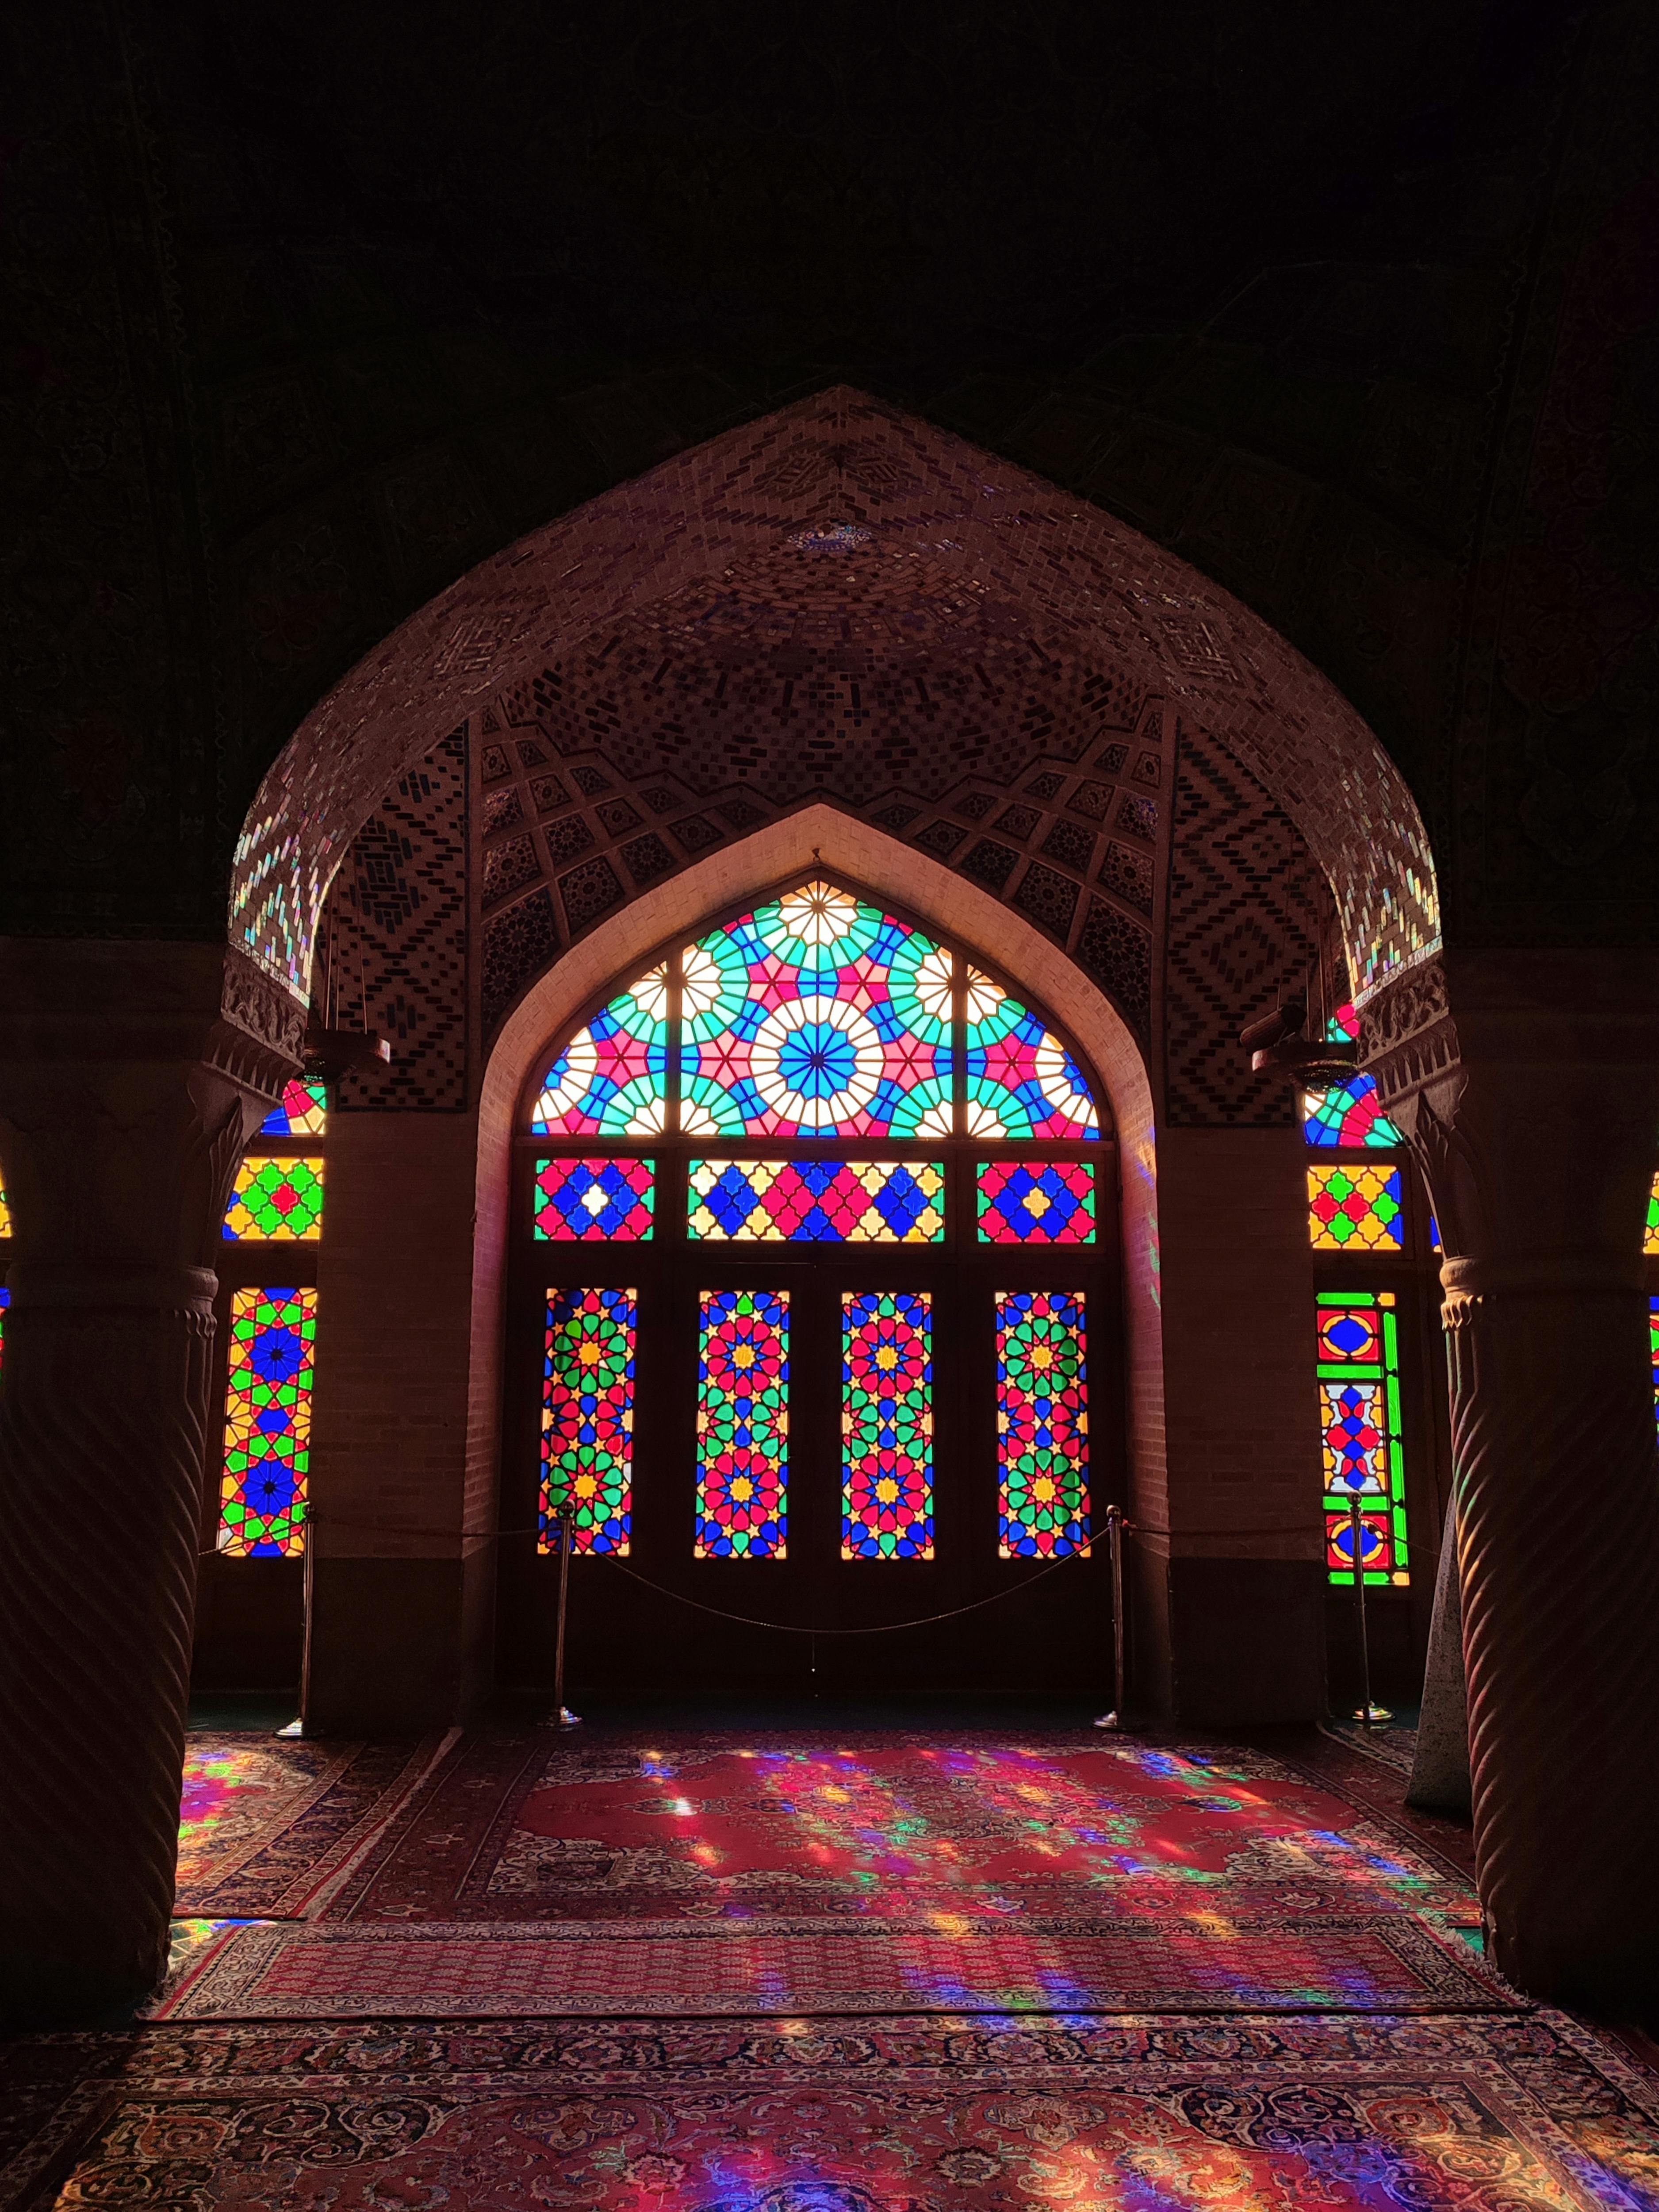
point(1376, 1962)
point(522, 1826)
point(1484, 2114)
point(267, 1826)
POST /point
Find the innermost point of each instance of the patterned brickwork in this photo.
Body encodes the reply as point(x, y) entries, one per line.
point(1246, 908)
point(839, 601)
point(396, 939)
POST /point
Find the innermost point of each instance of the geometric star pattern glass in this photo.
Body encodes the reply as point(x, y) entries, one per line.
point(587, 1419)
point(1021, 1081)
point(1346, 1113)
point(1036, 1202)
point(1042, 1424)
point(276, 1201)
point(593, 1201)
point(743, 1424)
point(1650, 1241)
point(825, 1201)
point(268, 1394)
point(886, 1424)
point(611, 1079)
point(816, 1016)
point(1359, 1426)
point(1355, 1209)
point(304, 1112)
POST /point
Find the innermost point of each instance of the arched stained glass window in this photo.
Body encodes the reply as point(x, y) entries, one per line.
point(819, 1072)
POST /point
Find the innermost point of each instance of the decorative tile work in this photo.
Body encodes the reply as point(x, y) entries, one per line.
point(1127, 876)
point(588, 892)
point(664, 646)
point(1117, 953)
point(1070, 844)
point(566, 839)
point(396, 935)
point(517, 945)
point(988, 863)
point(508, 867)
point(1244, 907)
point(1048, 897)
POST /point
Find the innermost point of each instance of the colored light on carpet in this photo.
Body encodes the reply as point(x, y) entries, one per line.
point(593, 1201)
point(1360, 1423)
point(823, 1201)
point(743, 1424)
point(1387, 1962)
point(886, 1424)
point(276, 1201)
point(610, 1080)
point(1021, 1080)
point(267, 1404)
point(587, 1419)
point(816, 1015)
point(1355, 1209)
point(1039, 1202)
point(304, 1112)
point(1042, 1424)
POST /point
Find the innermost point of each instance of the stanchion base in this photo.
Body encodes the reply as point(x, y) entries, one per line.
point(563, 1718)
point(294, 1729)
point(1370, 1715)
point(1110, 1721)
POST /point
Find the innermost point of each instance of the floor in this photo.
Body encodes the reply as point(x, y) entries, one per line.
point(824, 1961)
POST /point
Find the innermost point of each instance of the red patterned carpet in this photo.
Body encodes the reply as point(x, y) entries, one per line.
point(520, 1825)
point(1484, 2114)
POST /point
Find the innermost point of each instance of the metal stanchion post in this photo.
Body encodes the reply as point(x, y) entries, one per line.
point(562, 1716)
point(1369, 1714)
point(307, 1589)
point(1114, 1719)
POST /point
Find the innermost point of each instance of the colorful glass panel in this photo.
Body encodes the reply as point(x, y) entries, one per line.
point(611, 1080)
point(1359, 1379)
point(5, 1300)
point(743, 1424)
point(1355, 1209)
point(594, 1200)
point(304, 1112)
point(1653, 1347)
point(1346, 1113)
point(822, 1201)
point(5, 1216)
point(587, 1419)
point(1651, 1241)
point(276, 1201)
point(262, 1491)
point(886, 1424)
point(1038, 1202)
point(816, 1016)
point(1021, 1081)
point(1042, 1424)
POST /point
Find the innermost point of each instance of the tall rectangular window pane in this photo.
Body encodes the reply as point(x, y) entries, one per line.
point(743, 1424)
point(587, 1419)
point(268, 1395)
point(1042, 1423)
point(593, 1201)
point(276, 1200)
point(886, 1424)
point(816, 1201)
point(1653, 1345)
point(1355, 1209)
point(1651, 1241)
point(1359, 1435)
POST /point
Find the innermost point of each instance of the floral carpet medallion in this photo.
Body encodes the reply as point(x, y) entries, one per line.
point(264, 1824)
point(886, 1824)
point(1486, 2115)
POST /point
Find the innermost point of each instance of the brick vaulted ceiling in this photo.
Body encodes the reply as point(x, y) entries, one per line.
point(838, 602)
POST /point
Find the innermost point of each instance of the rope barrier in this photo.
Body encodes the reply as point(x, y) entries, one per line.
point(880, 1628)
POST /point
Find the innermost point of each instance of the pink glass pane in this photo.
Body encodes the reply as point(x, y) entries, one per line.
point(595, 1201)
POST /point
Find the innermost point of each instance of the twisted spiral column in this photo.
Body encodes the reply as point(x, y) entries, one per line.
point(101, 1435)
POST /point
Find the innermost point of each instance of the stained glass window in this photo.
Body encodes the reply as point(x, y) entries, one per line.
point(5, 1216)
point(1042, 1424)
point(1653, 1346)
point(1036, 1202)
point(587, 1418)
point(611, 1079)
point(596, 1200)
point(743, 1424)
point(262, 1491)
point(276, 1201)
point(817, 1015)
point(304, 1112)
point(826, 1201)
point(5, 1300)
point(1346, 1113)
point(886, 1424)
point(1355, 1209)
point(1360, 1425)
point(1651, 1241)
point(1021, 1081)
